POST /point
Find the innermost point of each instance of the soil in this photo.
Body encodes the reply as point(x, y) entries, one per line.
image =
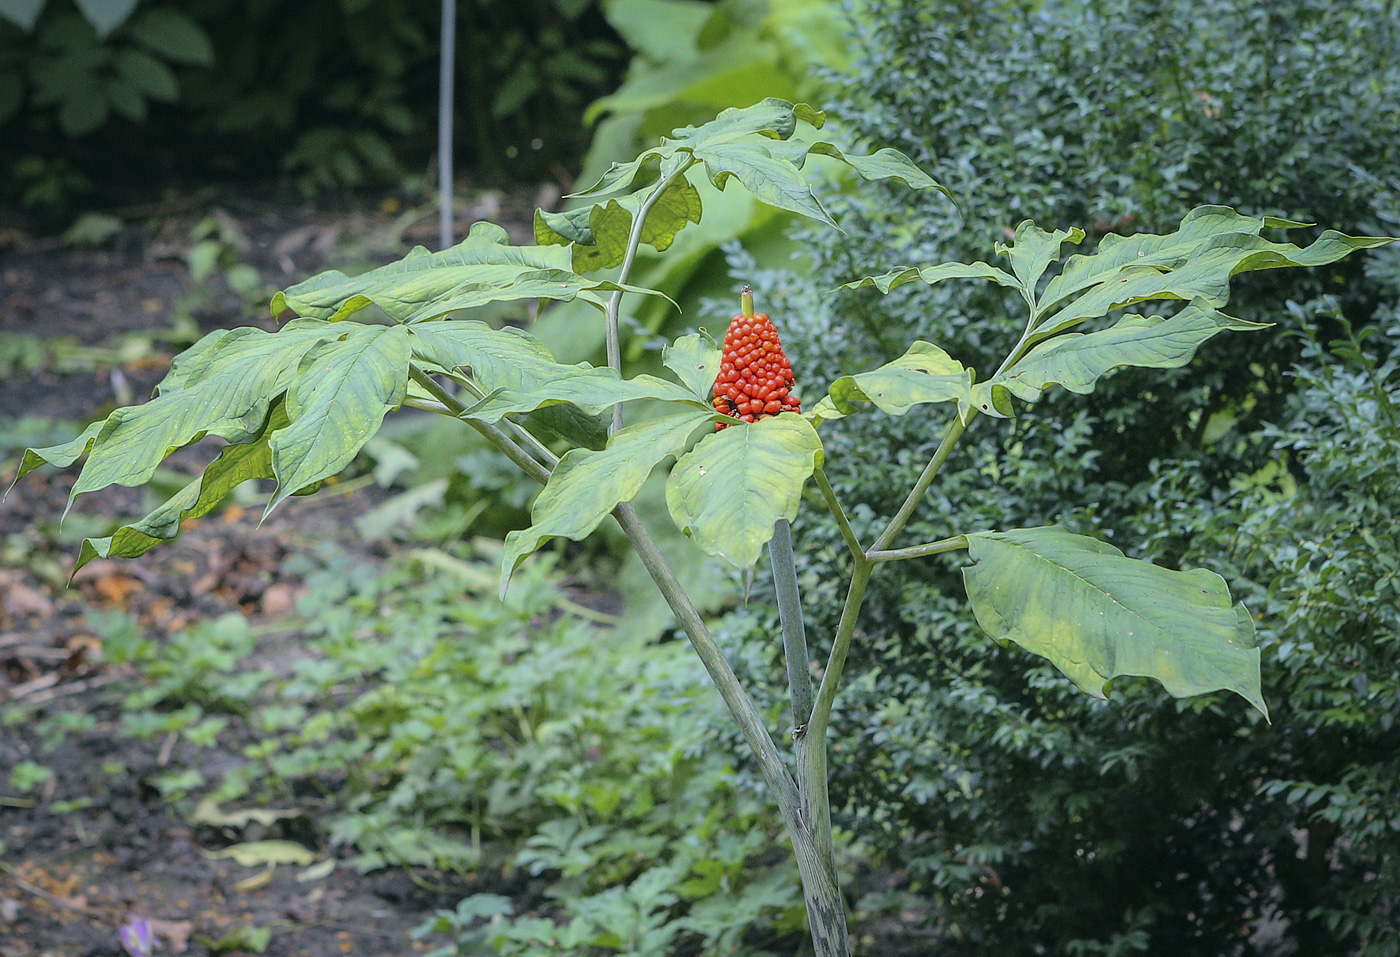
point(88, 851)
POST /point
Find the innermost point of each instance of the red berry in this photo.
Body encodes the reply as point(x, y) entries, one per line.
point(755, 378)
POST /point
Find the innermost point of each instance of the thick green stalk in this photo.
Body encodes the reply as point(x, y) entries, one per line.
point(794, 633)
point(493, 434)
point(613, 338)
point(751, 723)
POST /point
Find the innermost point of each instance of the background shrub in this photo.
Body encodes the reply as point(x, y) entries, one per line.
point(332, 92)
point(1047, 822)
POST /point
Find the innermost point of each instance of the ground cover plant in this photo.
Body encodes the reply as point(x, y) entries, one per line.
point(297, 405)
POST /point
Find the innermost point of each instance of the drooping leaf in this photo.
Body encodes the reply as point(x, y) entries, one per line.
point(422, 286)
point(586, 485)
point(599, 233)
point(1077, 361)
point(694, 358)
point(754, 146)
point(728, 491)
point(1096, 614)
point(925, 373)
point(506, 358)
point(934, 274)
point(589, 389)
point(336, 404)
point(224, 389)
point(1195, 263)
point(520, 375)
point(236, 464)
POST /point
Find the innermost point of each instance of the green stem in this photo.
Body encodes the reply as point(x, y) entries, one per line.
point(811, 745)
point(494, 435)
point(751, 724)
point(918, 551)
point(911, 501)
point(794, 633)
point(634, 241)
point(834, 504)
point(522, 434)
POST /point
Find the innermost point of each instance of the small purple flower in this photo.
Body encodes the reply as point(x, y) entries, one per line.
point(137, 938)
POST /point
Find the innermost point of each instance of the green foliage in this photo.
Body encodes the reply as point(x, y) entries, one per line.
point(691, 60)
point(343, 104)
point(470, 738)
point(1034, 816)
point(316, 392)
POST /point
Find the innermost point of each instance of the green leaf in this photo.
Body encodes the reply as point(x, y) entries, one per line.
point(148, 75)
point(106, 15)
point(774, 180)
point(739, 144)
point(235, 465)
point(589, 389)
point(1213, 244)
point(694, 359)
point(22, 13)
point(599, 233)
point(174, 36)
point(520, 375)
point(884, 163)
point(925, 373)
point(482, 268)
point(223, 386)
point(337, 402)
point(729, 490)
point(1077, 361)
point(1033, 250)
point(1096, 614)
point(506, 358)
point(586, 485)
point(934, 274)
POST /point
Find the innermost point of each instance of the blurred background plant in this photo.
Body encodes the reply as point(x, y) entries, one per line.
point(94, 96)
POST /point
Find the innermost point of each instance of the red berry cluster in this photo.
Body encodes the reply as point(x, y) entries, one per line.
point(755, 379)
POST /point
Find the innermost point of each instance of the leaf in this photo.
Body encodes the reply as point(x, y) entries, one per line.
point(223, 386)
point(1077, 361)
point(1033, 250)
point(1096, 614)
point(22, 13)
point(885, 163)
point(482, 268)
point(506, 358)
point(728, 491)
point(338, 401)
point(599, 233)
point(262, 853)
point(694, 359)
point(590, 389)
point(236, 464)
point(773, 180)
point(925, 373)
point(106, 15)
point(208, 812)
point(739, 144)
point(1196, 263)
point(586, 485)
point(934, 274)
point(174, 36)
